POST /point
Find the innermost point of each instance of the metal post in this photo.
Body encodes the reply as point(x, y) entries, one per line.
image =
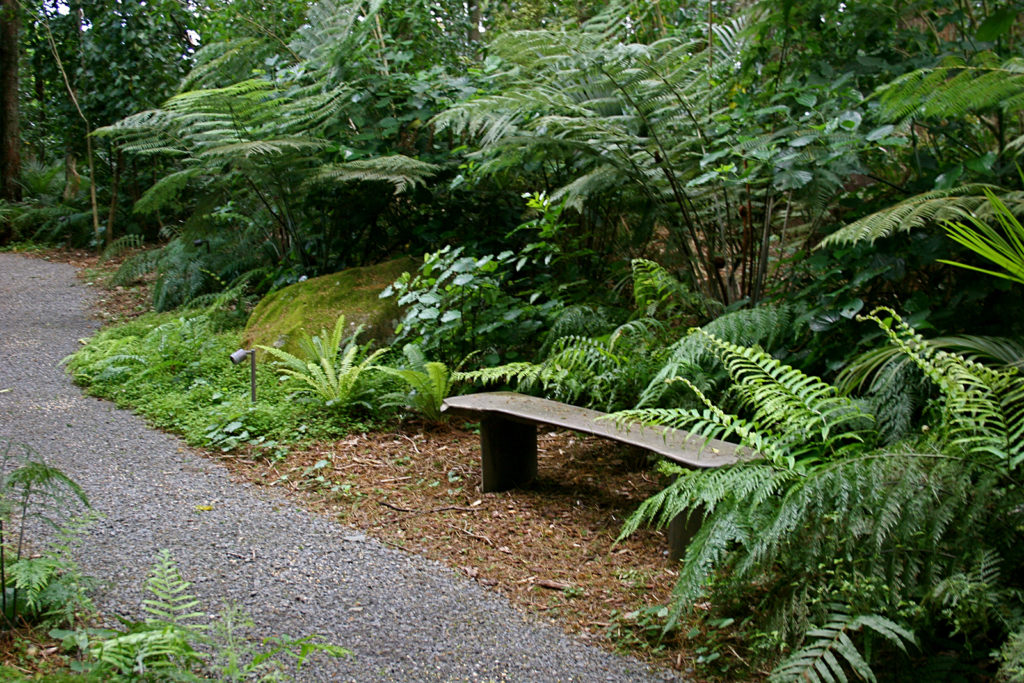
point(252, 373)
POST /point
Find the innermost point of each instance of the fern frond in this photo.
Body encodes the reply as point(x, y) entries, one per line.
point(31, 576)
point(954, 89)
point(985, 401)
point(171, 603)
point(833, 652)
point(400, 171)
point(765, 326)
point(164, 190)
point(929, 208)
point(120, 246)
point(270, 147)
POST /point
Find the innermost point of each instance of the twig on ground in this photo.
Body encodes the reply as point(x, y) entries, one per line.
point(426, 512)
point(409, 439)
point(472, 535)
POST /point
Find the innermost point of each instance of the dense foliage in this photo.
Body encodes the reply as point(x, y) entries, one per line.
point(587, 182)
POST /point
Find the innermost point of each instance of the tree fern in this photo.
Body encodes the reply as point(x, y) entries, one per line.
point(629, 123)
point(398, 170)
point(929, 208)
point(955, 88)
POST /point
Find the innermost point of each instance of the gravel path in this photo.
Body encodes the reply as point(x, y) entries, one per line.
point(404, 617)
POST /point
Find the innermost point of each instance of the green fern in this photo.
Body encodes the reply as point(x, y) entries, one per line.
point(832, 652)
point(329, 370)
point(954, 89)
point(983, 408)
point(951, 90)
point(657, 293)
point(164, 190)
point(767, 327)
point(31, 577)
point(402, 172)
point(154, 652)
point(577, 320)
point(606, 372)
point(164, 644)
point(630, 120)
point(120, 246)
point(176, 642)
point(171, 603)
point(1011, 669)
point(910, 535)
point(429, 383)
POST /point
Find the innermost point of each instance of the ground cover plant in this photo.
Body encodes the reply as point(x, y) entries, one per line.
point(177, 640)
point(49, 623)
point(174, 369)
point(39, 582)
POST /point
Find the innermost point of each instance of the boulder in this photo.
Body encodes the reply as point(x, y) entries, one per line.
point(315, 304)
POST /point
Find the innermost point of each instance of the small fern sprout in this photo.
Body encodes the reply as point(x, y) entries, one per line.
point(428, 382)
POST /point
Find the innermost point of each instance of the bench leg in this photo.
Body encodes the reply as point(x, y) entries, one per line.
point(509, 453)
point(681, 531)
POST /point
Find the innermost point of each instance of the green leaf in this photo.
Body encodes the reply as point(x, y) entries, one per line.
point(997, 24)
point(879, 133)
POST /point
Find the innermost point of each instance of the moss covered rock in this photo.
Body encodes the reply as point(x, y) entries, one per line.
point(316, 303)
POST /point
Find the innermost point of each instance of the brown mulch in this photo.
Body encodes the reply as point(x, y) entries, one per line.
point(549, 548)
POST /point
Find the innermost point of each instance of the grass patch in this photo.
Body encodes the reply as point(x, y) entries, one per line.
point(173, 368)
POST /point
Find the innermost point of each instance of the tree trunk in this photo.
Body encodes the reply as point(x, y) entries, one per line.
point(475, 16)
point(10, 153)
point(117, 160)
point(72, 181)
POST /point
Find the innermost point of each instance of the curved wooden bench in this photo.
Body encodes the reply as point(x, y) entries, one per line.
point(508, 443)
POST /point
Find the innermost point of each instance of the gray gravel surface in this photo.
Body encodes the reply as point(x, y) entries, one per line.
point(404, 617)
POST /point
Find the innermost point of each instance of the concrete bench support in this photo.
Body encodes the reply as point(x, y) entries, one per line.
point(681, 531)
point(508, 453)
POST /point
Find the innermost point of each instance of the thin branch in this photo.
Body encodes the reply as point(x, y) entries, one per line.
point(426, 512)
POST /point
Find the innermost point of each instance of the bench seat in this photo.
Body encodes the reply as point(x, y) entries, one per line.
point(508, 442)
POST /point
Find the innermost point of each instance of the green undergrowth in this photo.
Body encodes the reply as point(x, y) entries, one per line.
point(174, 369)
